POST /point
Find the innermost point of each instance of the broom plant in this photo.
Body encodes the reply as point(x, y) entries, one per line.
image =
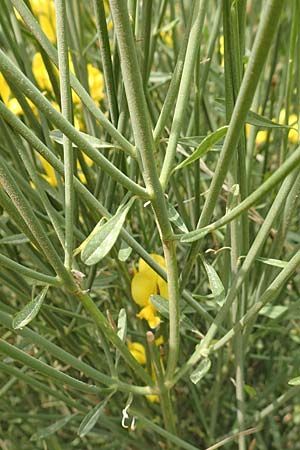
point(149, 229)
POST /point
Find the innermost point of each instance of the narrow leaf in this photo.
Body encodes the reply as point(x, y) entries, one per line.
point(273, 262)
point(104, 237)
point(15, 239)
point(175, 218)
point(273, 312)
point(295, 381)
point(57, 136)
point(27, 314)
point(215, 284)
point(122, 324)
point(124, 253)
point(204, 147)
point(45, 432)
point(200, 371)
point(90, 420)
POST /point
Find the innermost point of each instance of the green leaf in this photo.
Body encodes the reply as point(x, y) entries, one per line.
point(122, 325)
point(45, 432)
point(273, 312)
point(124, 253)
point(200, 371)
point(90, 420)
point(263, 122)
point(162, 306)
point(103, 237)
point(27, 314)
point(175, 218)
point(255, 119)
point(215, 284)
point(295, 381)
point(250, 391)
point(15, 239)
point(57, 136)
point(273, 262)
point(204, 147)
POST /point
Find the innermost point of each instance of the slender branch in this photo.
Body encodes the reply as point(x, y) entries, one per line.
point(66, 110)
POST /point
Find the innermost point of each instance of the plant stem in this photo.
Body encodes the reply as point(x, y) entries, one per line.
point(66, 110)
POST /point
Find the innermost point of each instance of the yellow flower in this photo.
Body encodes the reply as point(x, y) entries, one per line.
point(138, 351)
point(50, 172)
point(293, 121)
point(167, 37)
point(145, 283)
point(96, 83)
point(40, 73)
point(44, 10)
point(261, 135)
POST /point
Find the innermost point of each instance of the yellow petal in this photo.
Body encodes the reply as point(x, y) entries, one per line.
point(143, 266)
point(142, 286)
point(153, 398)
point(149, 313)
point(138, 351)
point(261, 137)
point(50, 172)
point(40, 73)
point(96, 83)
point(159, 340)
point(163, 288)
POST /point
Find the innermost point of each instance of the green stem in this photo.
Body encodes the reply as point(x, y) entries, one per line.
point(263, 40)
point(36, 30)
point(12, 72)
point(66, 110)
point(26, 272)
point(145, 144)
point(184, 89)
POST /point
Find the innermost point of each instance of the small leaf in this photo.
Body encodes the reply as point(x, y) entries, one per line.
point(45, 432)
point(273, 262)
point(175, 218)
point(250, 391)
point(124, 253)
point(294, 381)
point(200, 371)
point(27, 314)
point(122, 324)
point(90, 420)
point(161, 304)
point(57, 136)
point(215, 284)
point(104, 237)
point(263, 122)
point(273, 312)
point(204, 147)
point(15, 239)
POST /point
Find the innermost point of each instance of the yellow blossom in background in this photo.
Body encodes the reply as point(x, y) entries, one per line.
point(44, 11)
point(40, 73)
point(221, 45)
point(167, 37)
point(50, 172)
point(9, 100)
point(261, 135)
point(293, 136)
point(145, 283)
point(96, 83)
point(138, 352)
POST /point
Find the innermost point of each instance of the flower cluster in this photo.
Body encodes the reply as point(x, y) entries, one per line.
point(145, 283)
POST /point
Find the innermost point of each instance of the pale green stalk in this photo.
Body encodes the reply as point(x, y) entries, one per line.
point(66, 110)
point(184, 89)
